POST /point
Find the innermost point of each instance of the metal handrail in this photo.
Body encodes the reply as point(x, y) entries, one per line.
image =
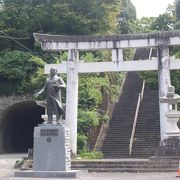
point(150, 53)
point(142, 90)
point(140, 98)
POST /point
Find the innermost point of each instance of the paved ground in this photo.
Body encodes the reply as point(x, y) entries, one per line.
point(7, 172)
point(113, 176)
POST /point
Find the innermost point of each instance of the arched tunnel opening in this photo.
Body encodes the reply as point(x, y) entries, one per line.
point(17, 126)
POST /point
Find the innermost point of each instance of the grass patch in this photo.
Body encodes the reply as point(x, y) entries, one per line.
point(90, 155)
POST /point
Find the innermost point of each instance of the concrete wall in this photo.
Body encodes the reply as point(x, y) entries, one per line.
point(6, 101)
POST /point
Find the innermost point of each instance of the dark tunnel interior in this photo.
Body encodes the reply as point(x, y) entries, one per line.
point(17, 126)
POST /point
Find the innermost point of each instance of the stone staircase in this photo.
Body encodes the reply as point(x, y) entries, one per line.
point(147, 136)
point(128, 165)
point(116, 143)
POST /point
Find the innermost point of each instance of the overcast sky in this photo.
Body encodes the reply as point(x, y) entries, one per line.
point(148, 8)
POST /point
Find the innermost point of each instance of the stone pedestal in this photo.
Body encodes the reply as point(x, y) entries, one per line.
point(51, 148)
point(51, 156)
point(172, 119)
point(173, 114)
point(75, 174)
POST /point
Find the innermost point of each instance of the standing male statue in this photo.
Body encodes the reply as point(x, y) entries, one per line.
point(52, 90)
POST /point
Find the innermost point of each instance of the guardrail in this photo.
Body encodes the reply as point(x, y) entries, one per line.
point(140, 98)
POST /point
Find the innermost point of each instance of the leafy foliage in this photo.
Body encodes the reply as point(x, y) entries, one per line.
point(126, 16)
point(82, 140)
point(142, 25)
point(18, 67)
point(87, 119)
point(151, 78)
point(20, 19)
point(92, 88)
point(163, 22)
point(90, 155)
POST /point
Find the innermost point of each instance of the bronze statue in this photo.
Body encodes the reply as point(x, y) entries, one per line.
point(52, 90)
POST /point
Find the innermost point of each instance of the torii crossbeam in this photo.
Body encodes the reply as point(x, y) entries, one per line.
point(116, 43)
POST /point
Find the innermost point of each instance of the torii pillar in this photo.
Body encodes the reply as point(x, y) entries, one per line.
point(163, 81)
point(72, 98)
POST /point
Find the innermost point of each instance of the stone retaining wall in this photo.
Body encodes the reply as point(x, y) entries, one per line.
point(6, 101)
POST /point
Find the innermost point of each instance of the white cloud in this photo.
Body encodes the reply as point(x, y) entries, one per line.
point(150, 8)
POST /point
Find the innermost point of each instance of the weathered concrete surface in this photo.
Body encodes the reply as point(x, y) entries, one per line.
point(114, 176)
point(51, 148)
point(7, 101)
point(7, 162)
point(58, 42)
point(52, 174)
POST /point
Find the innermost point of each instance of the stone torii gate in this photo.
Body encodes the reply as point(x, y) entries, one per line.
point(116, 43)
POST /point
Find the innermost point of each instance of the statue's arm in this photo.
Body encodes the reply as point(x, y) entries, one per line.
point(41, 91)
point(61, 83)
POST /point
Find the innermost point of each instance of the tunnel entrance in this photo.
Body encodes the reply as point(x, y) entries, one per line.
point(17, 126)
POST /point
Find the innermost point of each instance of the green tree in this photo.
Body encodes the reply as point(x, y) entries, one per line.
point(19, 19)
point(16, 70)
point(163, 22)
point(143, 25)
point(126, 16)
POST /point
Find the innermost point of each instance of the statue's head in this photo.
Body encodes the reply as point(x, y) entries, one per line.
point(53, 71)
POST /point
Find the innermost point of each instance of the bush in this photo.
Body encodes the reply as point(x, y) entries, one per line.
point(90, 155)
point(87, 120)
point(81, 142)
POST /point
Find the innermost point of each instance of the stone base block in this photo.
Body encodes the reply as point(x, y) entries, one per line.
point(51, 174)
point(51, 148)
point(169, 147)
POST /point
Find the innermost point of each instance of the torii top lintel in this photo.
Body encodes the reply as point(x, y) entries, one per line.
point(60, 42)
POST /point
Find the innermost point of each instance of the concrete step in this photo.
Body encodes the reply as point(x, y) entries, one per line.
point(127, 165)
